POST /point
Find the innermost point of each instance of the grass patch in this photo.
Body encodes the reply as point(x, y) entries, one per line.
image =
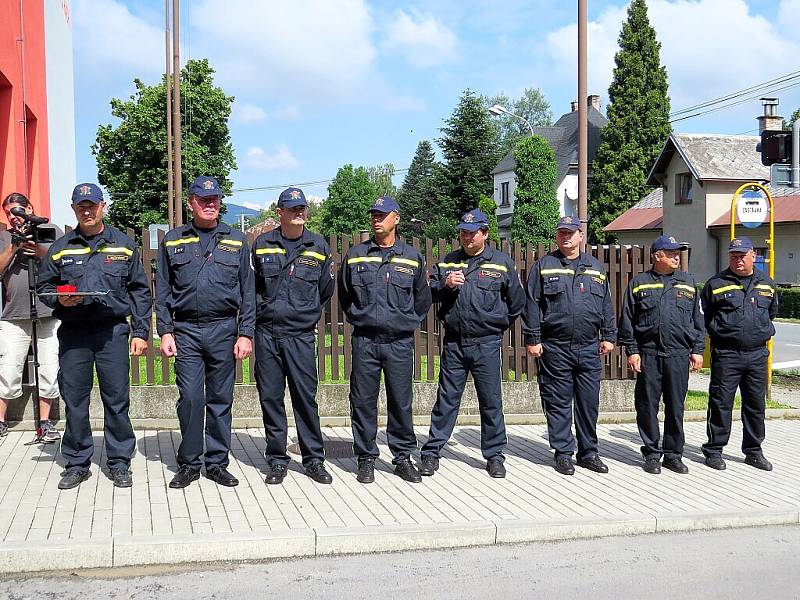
point(786, 320)
point(698, 400)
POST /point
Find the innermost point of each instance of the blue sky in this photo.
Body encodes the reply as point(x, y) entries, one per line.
point(322, 83)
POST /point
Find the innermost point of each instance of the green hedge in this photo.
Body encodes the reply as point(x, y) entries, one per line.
point(789, 303)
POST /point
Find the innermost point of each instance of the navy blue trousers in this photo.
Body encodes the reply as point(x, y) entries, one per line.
point(205, 371)
point(482, 360)
point(395, 359)
point(569, 381)
point(291, 359)
point(667, 376)
point(104, 346)
point(731, 369)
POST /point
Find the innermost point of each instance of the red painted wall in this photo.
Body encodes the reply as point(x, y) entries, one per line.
point(23, 99)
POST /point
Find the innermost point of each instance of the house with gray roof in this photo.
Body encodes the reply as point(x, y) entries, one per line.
point(563, 139)
point(696, 177)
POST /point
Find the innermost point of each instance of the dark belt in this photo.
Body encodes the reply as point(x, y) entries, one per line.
point(382, 337)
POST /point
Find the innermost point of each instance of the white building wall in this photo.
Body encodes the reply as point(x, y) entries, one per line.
point(60, 108)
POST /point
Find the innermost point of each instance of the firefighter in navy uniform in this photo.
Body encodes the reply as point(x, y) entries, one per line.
point(384, 294)
point(480, 295)
point(739, 305)
point(663, 334)
point(205, 308)
point(569, 326)
point(94, 332)
point(294, 279)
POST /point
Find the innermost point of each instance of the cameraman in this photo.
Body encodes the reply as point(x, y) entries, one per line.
point(15, 325)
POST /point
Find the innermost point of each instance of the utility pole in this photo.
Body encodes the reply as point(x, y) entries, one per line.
point(583, 133)
point(176, 110)
point(168, 85)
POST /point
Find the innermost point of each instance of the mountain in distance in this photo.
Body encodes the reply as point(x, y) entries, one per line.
point(231, 216)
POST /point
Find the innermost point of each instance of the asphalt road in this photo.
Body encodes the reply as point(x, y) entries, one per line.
point(786, 344)
point(725, 564)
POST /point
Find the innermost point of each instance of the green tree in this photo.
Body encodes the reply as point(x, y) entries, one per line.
point(350, 195)
point(788, 124)
point(382, 177)
point(417, 194)
point(470, 153)
point(532, 106)
point(638, 123)
point(131, 156)
point(489, 207)
point(535, 201)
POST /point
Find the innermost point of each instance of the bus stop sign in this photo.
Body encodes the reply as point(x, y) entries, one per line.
point(752, 208)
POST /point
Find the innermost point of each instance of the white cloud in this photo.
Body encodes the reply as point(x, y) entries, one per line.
point(305, 50)
point(789, 12)
point(108, 39)
point(252, 205)
point(287, 113)
point(709, 47)
point(249, 113)
point(423, 40)
point(281, 159)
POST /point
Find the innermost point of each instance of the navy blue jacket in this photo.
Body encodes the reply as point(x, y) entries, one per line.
point(488, 301)
point(111, 264)
point(384, 298)
point(193, 286)
point(291, 289)
point(568, 305)
point(662, 316)
point(739, 317)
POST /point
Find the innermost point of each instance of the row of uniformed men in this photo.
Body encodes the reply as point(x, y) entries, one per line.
point(207, 317)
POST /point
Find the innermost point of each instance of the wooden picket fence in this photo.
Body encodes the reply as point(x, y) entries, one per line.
point(334, 333)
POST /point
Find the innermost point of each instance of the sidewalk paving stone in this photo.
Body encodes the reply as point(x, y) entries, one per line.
point(97, 525)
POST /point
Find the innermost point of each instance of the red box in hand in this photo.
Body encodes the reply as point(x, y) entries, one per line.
point(66, 289)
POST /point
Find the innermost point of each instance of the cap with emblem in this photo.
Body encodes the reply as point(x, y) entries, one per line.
point(569, 223)
point(667, 242)
point(205, 186)
point(384, 204)
point(740, 244)
point(291, 198)
point(87, 191)
point(473, 220)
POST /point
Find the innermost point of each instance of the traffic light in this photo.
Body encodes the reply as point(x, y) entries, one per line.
point(775, 147)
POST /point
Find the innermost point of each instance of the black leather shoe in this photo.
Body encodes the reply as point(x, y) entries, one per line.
point(184, 477)
point(316, 471)
point(715, 461)
point(406, 470)
point(676, 465)
point(73, 478)
point(276, 474)
point(593, 463)
point(496, 468)
point(222, 476)
point(366, 470)
point(122, 478)
point(758, 461)
point(563, 464)
point(652, 466)
point(428, 465)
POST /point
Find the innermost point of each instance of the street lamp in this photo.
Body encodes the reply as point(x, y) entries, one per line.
point(498, 110)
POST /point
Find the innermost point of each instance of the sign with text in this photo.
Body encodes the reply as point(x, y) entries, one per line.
point(752, 208)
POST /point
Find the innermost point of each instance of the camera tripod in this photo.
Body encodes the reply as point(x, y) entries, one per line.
point(33, 267)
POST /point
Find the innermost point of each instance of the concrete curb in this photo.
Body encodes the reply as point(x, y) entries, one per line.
point(608, 418)
point(27, 557)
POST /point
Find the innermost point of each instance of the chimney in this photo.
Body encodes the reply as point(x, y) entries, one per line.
point(594, 101)
point(574, 106)
point(770, 120)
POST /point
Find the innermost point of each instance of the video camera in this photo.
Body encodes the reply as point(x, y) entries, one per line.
point(29, 231)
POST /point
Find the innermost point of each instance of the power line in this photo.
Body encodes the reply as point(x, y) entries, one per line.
point(738, 102)
point(285, 185)
point(733, 95)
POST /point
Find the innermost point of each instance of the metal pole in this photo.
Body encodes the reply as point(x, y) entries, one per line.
point(176, 110)
point(796, 153)
point(168, 85)
point(583, 139)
